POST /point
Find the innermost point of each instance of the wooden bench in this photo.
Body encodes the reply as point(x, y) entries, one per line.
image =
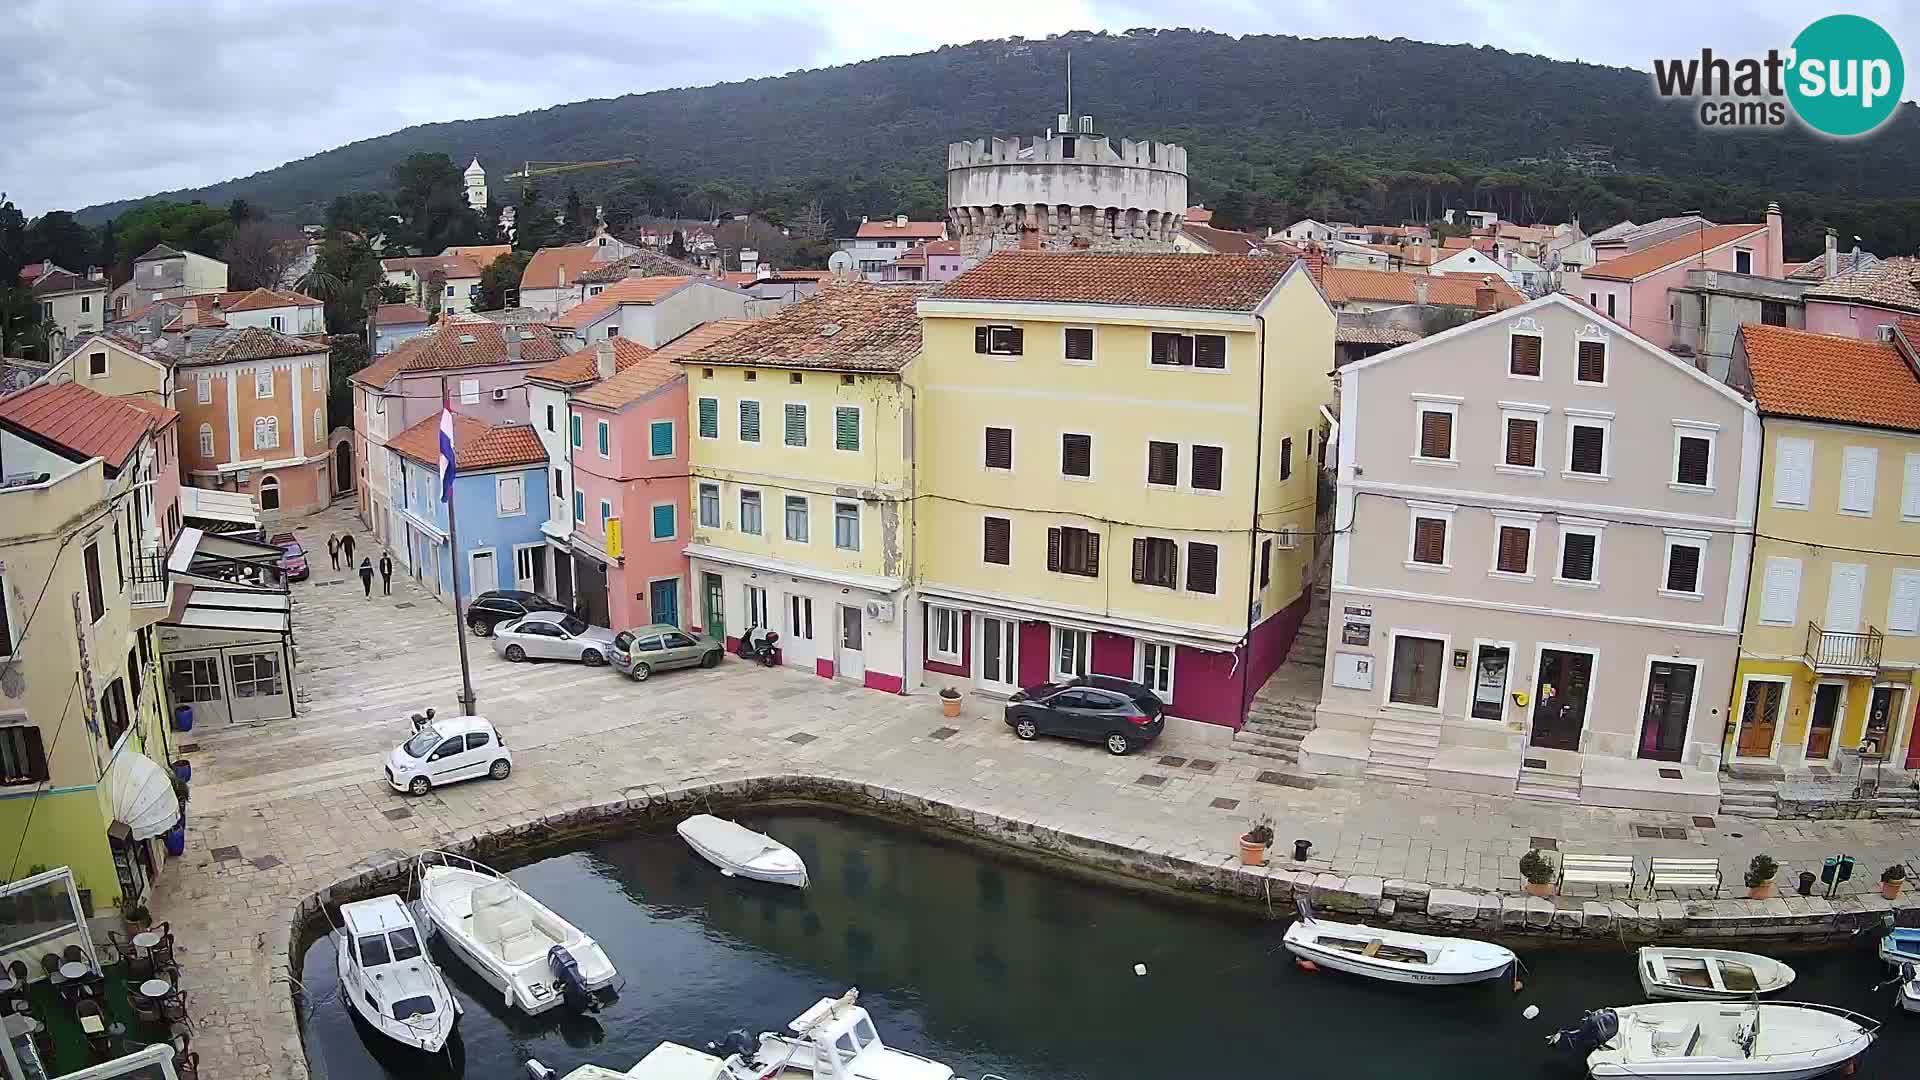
point(1665, 873)
point(1584, 869)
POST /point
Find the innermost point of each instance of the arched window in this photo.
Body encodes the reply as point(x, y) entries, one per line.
point(206, 440)
point(269, 493)
point(266, 433)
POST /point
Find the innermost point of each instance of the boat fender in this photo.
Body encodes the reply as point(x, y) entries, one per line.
point(566, 972)
point(1307, 966)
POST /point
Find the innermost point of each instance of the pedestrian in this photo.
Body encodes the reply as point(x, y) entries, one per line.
point(386, 573)
point(346, 547)
point(333, 550)
point(366, 576)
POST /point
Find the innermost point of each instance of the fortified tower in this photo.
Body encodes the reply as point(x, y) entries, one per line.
point(1066, 190)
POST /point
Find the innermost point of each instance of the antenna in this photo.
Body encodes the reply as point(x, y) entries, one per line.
point(1069, 82)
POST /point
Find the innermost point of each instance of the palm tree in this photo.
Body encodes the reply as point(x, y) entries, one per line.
point(321, 285)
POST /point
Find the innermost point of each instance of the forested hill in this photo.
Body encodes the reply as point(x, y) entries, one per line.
point(1252, 111)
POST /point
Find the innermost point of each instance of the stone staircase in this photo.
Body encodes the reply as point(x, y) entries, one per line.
point(1547, 786)
point(1281, 714)
point(1401, 747)
point(1748, 798)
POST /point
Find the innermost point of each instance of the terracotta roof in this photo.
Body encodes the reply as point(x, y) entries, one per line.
point(556, 267)
point(642, 290)
point(483, 255)
point(400, 315)
point(648, 262)
point(61, 281)
point(1199, 215)
point(190, 314)
point(1892, 282)
point(1398, 287)
point(1846, 262)
point(1829, 377)
point(1200, 282)
point(582, 366)
point(452, 345)
point(851, 327)
point(1224, 241)
point(1667, 253)
point(637, 381)
point(738, 278)
point(454, 266)
point(208, 301)
point(84, 421)
point(887, 230)
point(260, 299)
point(159, 251)
point(821, 275)
point(1374, 335)
point(477, 444)
point(220, 345)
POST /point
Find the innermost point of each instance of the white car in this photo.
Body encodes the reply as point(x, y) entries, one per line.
point(447, 751)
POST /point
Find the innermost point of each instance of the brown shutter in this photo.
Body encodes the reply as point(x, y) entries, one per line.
point(981, 341)
point(1430, 541)
point(1209, 351)
point(1163, 462)
point(1593, 362)
point(1079, 344)
point(1286, 454)
point(1436, 435)
point(1576, 562)
point(36, 754)
point(996, 542)
point(1683, 569)
point(1589, 449)
point(1202, 564)
point(1206, 468)
point(1693, 461)
point(1523, 442)
point(1053, 550)
point(1525, 356)
point(1093, 554)
point(1076, 455)
point(1140, 560)
point(1016, 341)
point(1514, 542)
point(999, 448)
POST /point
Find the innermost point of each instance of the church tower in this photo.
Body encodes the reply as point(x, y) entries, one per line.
point(476, 185)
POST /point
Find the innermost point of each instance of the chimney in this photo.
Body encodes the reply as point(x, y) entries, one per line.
point(94, 273)
point(899, 221)
point(1832, 265)
point(1485, 300)
point(603, 359)
point(512, 334)
point(1420, 291)
point(1776, 233)
point(189, 315)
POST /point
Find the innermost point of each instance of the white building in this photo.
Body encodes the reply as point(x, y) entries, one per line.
point(72, 304)
point(651, 310)
point(876, 244)
point(476, 185)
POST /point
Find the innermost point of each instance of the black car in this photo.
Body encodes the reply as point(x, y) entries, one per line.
point(1120, 714)
point(496, 606)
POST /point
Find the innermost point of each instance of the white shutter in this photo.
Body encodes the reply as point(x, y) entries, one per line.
point(1780, 597)
point(510, 495)
point(1793, 472)
point(1903, 609)
point(1910, 491)
point(469, 391)
point(1859, 468)
point(1843, 598)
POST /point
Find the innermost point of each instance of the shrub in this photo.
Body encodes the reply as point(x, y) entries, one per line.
point(1761, 870)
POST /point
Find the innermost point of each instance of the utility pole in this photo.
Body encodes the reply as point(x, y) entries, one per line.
point(453, 551)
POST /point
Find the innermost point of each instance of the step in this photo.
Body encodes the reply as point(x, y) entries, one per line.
point(1749, 811)
point(1291, 757)
point(1907, 813)
point(1556, 781)
point(1747, 787)
point(1396, 759)
point(1727, 800)
point(1395, 774)
point(1897, 800)
point(1289, 707)
point(1416, 728)
point(1245, 739)
point(1547, 794)
point(1404, 743)
point(1271, 730)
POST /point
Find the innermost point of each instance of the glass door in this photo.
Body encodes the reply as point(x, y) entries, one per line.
point(716, 613)
point(998, 641)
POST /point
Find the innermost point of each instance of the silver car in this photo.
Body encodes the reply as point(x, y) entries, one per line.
point(553, 635)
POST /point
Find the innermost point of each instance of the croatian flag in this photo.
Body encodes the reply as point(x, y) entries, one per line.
point(446, 449)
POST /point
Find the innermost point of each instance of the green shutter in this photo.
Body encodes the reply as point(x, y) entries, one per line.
point(663, 523)
point(846, 428)
point(796, 425)
point(661, 434)
point(709, 418)
point(749, 421)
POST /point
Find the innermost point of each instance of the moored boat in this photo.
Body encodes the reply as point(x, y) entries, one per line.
point(740, 851)
point(1708, 1040)
point(386, 977)
point(1901, 946)
point(1395, 955)
point(1709, 974)
point(535, 958)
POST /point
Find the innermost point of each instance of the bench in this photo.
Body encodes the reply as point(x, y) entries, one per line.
point(1581, 869)
point(1663, 873)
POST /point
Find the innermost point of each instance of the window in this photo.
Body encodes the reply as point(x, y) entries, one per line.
point(559, 485)
point(1427, 535)
point(999, 448)
point(319, 435)
point(1685, 552)
point(1076, 455)
point(1079, 344)
point(469, 391)
point(1418, 664)
point(612, 332)
point(606, 514)
point(97, 364)
point(1591, 365)
point(999, 340)
point(797, 518)
point(1203, 567)
point(573, 427)
point(206, 440)
point(1579, 554)
point(996, 541)
point(579, 506)
point(1156, 668)
point(796, 424)
point(96, 596)
point(203, 389)
point(846, 428)
point(709, 506)
point(1156, 561)
point(750, 513)
point(1513, 554)
point(1593, 300)
point(276, 322)
point(709, 423)
point(1859, 466)
point(1523, 355)
point(1266, 563)
point(1071, 651)
point(1073, 551)
point(1163, 463)
point(665, 522)
point(1693, 459)
point(1742, 261)
point(603, 438)
point(266, 432)
point(1793, 473)
point(751, 376)
point(1286, 455)
point(943, 634)
point(23, 757)
point(1610, 299)
point(1587, 446)
point(509, 496)
point(256, 675)
point(1521, 448)
point(449, 290)
point(1207, 467)
point(1910, 489)
point(1903, 606)
point(263, 383)
point(1188, 350)
point(749, 421)
point(846, 526)
point(86, 304)
point(794, 378)
point(1436, 432)
point(315, 369)
point(1773, 313)
point(1210, 351)
point(660, 439)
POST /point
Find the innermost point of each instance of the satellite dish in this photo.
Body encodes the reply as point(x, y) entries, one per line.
point(839, 261)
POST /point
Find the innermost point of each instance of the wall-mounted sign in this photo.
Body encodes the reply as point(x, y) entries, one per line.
point(1353, 670)
point(1356, 631)
point(1460, 659)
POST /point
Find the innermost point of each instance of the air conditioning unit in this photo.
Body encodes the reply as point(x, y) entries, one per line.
point(880, 610)
point(499, 393)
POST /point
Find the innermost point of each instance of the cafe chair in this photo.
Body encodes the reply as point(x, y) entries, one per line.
point(50, 964)
point(186, 1065)
point(161, 955)
point(19, 971)
point(146, 1010)
point(74, 954)
point(98, 1037)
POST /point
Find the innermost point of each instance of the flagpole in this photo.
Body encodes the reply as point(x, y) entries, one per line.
point(467, 700)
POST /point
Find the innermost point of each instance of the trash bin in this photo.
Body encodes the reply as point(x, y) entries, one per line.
point(184, 770)
point(177, 840)
point(183, 718)
point(1806, 883)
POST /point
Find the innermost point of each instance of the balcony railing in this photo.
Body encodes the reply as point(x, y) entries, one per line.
point(1829, 650)
point(149, 585)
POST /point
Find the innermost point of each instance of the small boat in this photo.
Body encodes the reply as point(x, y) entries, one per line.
point(739, 851)
point(1710, 974)
point(1909, 994)
point(535, 958)
point(1901, 946)
point(668, 1061)
point(1709, 1040)
point(388, 980)
point(1394, 955)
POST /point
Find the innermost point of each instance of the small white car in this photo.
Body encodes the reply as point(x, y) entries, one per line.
point(446, 751)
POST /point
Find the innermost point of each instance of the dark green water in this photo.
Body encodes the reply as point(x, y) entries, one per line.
point(994, 967)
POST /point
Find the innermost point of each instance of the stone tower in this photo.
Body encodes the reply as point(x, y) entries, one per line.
point(476, 185)
point(1066, 190)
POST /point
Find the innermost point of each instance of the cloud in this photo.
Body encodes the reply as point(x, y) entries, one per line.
point(122, 98)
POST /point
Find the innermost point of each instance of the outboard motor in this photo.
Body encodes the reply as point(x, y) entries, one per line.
point(566, 972)
point(537, 1071)
point(737, 1043)
point(1596, 1030)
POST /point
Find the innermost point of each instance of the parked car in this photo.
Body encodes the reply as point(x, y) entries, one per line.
point(495, 606)
point(553, 635)
point(293, 558)
point(446, 751)
point(1120, 714)
point(641, 652)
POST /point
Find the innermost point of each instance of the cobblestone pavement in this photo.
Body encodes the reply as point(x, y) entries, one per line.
point(284, 808)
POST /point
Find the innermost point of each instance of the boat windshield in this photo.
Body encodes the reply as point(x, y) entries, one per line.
point(373, 950)
point(422, 743)
point(408, 1008)
point(406, 944)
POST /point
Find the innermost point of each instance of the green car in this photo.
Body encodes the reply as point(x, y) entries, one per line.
point(644, 650)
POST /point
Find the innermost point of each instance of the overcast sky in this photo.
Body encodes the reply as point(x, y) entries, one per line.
point(112, 99)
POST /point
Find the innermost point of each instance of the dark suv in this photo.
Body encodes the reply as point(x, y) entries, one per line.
point(496, 606)
point(1120, 714)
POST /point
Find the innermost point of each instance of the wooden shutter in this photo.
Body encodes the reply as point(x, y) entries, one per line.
point(1053, 550)
point(1093, 554)
point(1514, 544)
point(1910, 491)
point(995, 543)
point(1079, 344)
point(749, 422)
point(846, 428)
point(1206, 467)
point(1523, 442)
point(1589, 449)
point(1780, 595)
point(709, 418)
point(1163, 463)
point(1858, 468)
point(36, 753)
point(1076, 455)
point(1430, 541)
point(999, 448)
point(1436, 434)
point(1576, 557)
point(1695, 454)
point(1903, 608)
point(1209, 351)
point(1202, 565)
point(1793, 472)
point(1286, 455)
point(982, 340)
point(1524, 358)
point(796, 426)
point(1016, 340)
point(1843, 597)
point(1167, 349)
point(1139, 560)
point(1683, 568)
point(1593, 361)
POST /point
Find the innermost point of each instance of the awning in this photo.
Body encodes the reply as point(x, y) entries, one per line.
point(224, 507)
point(185, 545)
point(141, 794)
point(214, 608)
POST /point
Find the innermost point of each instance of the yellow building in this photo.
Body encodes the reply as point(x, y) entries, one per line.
point(83, 735)
point(801, 482)
point(1098, 436)
point(1832, 630)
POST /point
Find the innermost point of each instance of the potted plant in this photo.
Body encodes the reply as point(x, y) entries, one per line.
point(1537, 869)
point(949, 701)
point(1891, 879)
point(1760, 877)
point(135, 914)
point(1254, 843)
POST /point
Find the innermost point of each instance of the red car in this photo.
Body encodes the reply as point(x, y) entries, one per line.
point(294, 560)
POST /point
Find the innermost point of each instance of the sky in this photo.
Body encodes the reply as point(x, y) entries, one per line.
point(114, 99)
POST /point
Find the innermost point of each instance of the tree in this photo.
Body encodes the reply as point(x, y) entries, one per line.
point(430, 194)
point(348, 356)
point(576, 213)
point(435, 288)
point(194, 227)
point(109, 250)
point(13, 242)
point(532, 224)
point(809, 222)
point(258, 254)
point(363, 212)
point(56, 236)
point(677, 247)
point(388, 292)
point(21, 331)
point(344, 274)
point(500, 281)
point(240, 211)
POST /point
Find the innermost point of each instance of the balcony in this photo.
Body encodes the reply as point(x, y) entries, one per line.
point(1834, 653)
point(148, 585)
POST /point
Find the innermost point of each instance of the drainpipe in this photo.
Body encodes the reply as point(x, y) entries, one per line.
point(1730, 733)
point(1253, 534)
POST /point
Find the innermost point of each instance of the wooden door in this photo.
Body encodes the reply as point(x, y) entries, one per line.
point(1826, 717)
point(1759, 718)
point(1560, 701)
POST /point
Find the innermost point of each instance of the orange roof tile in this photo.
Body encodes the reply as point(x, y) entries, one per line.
point(459, 345)
point(1200, 282)
point(1892, 282)
point(477, 444)
point(400, 315)
point(556, 267)
point(643, 290)
point(1223, 241)
point(852, 327)
point(259, 299)
point(582, 366)
point(1678, 250)
point(636, 381)
point(1399, 287)
point(1828, 377)
point(83, 421)
point(887, 229)
point(1199, 215)
point(483, 255)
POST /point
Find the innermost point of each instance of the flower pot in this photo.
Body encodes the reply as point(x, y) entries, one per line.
point(184, 770)
point(949, 706)
point(1542, 888)
point(1252, 854)
point(1762, 891)
point(1891, 889)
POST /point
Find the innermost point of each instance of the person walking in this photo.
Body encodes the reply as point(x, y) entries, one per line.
point(366, 576)
point(333, 550)
point(386, 573)
point(346, 547)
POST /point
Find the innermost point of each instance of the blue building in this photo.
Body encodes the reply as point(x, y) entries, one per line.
point(499, 495)
point(393, 325)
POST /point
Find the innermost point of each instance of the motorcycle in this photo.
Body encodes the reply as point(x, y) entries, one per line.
point(421, 720)
point(761, 644)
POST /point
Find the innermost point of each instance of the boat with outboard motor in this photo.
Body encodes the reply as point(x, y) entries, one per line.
point(387, 978)
point(535, 958)
point(1394, 955)
point(1901, 946)
point(1712, 1040)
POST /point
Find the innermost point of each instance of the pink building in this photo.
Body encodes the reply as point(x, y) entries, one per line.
point(1858, 304)
point(1633, 289)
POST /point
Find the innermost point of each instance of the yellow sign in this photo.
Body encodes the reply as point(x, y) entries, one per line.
point(613, 537)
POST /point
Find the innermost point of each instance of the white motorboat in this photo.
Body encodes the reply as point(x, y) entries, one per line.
point(1709, 1040)
point(1710, 974)
point(1901, 946)
point(1909, 995)
point(738, 850)
point(668, 1061)
point(387, 978)
point(1394, 955)
point(535, 958)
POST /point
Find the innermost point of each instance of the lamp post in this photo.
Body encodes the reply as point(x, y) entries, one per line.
point(467, 699)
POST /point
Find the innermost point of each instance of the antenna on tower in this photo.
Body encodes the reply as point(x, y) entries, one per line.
point(1069, 82)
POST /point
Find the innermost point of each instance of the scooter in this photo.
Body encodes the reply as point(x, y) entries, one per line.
point(761, 644)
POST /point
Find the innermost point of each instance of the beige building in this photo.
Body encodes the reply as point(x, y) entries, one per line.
point(1543, 532)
